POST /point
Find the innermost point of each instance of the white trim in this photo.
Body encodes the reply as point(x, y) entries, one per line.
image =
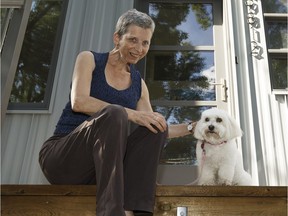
point(29, 111)
point(280, 92)
point(278, 51)
point(220, 61)
point(230, 56)
point(263, 90)
point(267, 113)
point(182, 48)
point(279, 140)
point(245, 97)
point(275, 15)
point(12, 3)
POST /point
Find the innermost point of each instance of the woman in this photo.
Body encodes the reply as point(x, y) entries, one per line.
point(91, 144)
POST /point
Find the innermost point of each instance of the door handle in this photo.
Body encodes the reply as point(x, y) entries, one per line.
point(224, 89)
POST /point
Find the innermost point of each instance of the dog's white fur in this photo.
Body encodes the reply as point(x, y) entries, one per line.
point(221, 164)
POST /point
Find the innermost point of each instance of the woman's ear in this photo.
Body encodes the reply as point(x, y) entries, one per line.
point(116, 39)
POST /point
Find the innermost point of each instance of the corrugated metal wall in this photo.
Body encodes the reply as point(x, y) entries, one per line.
point(279, 151)
point(89, 25)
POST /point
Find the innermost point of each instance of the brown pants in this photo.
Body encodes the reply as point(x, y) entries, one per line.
point(99, 151)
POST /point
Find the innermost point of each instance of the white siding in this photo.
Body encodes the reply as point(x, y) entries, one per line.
point(264, 116)
point(89, 25)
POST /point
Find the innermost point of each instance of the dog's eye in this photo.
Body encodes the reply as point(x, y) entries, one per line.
point(206, 119)
point(218, 120)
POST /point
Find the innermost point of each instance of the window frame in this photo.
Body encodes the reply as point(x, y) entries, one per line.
point(46, 105)
point(218, 19)
point(272, 53)
point(9, 57)
point(188, 173)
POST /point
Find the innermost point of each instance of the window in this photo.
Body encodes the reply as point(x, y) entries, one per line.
point(275, 15)
point(6, 14)
point(180, 68)
point(34, 76)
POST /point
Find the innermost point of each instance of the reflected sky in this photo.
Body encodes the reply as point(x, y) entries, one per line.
point(196, 35)
point(182, 24)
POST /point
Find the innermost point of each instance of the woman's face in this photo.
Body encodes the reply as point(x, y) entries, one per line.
point(134, 44)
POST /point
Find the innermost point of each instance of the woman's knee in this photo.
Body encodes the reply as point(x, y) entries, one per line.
point(112, 115)
point(116, 112)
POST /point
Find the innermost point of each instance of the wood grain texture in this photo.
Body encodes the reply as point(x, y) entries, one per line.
point(48, 205)
point(222, 206)
point(78, 200)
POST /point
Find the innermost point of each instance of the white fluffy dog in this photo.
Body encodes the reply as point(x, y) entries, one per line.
point(220, 162)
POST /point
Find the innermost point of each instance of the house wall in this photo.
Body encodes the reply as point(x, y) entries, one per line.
point(263, 113)
point(89, 25)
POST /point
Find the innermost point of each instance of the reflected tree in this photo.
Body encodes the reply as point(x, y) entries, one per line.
point(277, 35)
point(274, 6)
point(35, 59)
point(178, 72)
point(202, 15)
point(176, 67)
point(279, 73)
point(277, 39)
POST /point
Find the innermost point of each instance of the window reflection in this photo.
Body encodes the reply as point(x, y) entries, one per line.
point(33, 71)
point(275, 6)
point(279, 72)
point(182, 24)
point(180, 150)
point(180, 75)
point(6, 14)
point(277, 35)
point(179, 67)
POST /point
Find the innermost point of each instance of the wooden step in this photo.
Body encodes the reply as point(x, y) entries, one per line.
point(78, 200)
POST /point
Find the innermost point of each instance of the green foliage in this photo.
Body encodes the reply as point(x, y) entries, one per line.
point(176, 75)
point(178, 72)
point(274, 6)
point(35, 59)
point(202, 16)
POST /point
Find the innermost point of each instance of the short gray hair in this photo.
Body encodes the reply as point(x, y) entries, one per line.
point(133, 17)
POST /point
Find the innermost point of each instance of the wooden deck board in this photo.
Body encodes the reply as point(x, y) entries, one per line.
point(70, 200)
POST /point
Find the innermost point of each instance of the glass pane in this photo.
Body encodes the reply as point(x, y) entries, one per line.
point(6, 14)
point(180, 75)
point(277, 35)
point(35, 59)
point(180, 150)
point(182, 24)
point(274, 6)
point(279, 72)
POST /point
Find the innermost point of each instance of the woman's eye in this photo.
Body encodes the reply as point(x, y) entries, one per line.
point(134, 40)
point(218, 120)
point(146, 43)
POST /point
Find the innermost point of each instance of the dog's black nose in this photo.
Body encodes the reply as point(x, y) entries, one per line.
point(211, 127)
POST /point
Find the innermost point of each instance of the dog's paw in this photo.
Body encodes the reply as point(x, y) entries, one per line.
point(207, 183)
point(224, 182)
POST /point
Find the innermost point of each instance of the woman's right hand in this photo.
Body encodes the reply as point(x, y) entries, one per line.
point(149, 120)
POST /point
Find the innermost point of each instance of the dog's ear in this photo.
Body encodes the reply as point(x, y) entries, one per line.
point(235, 130)
point(197, 133)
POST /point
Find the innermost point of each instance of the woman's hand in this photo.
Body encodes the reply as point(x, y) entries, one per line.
point(149, 120)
